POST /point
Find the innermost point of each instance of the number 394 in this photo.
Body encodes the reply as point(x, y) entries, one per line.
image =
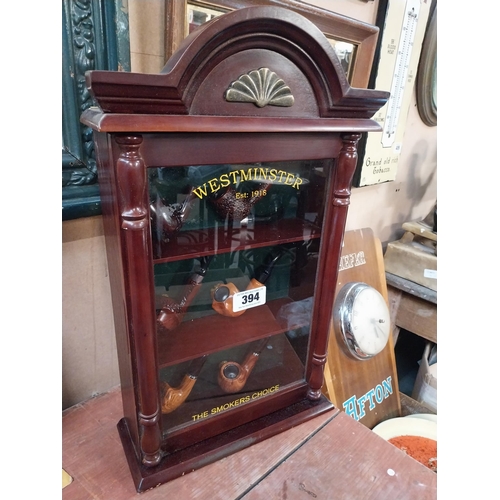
point(250, 297)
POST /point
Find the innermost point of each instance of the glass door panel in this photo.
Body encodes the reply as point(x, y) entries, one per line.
point(235, 261)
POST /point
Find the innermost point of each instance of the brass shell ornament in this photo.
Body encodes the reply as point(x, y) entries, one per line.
point(261, 87)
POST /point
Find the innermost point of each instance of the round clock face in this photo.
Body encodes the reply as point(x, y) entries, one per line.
point(362, 319)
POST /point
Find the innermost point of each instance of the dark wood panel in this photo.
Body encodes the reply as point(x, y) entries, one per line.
point(218, 148)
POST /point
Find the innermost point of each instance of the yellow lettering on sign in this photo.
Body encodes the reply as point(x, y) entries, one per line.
point(252, 174)
point(235, 403)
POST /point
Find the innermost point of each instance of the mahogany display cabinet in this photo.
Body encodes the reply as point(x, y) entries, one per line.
point(225, 183)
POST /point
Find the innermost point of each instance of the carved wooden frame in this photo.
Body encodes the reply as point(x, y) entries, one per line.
point(94, 36)
point(333, 25)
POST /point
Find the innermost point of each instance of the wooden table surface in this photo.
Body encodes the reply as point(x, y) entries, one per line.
point(330, 457)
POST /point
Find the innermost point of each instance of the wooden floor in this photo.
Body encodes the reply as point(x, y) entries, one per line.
point(331, 457)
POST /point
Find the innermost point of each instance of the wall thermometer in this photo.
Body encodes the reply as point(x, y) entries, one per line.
point(402, 23)
point(400, 75)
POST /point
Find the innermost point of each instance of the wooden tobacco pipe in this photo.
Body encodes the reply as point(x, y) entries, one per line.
point(229, 203)
point(222, 297)
point(170, 218)
point(172, 312)
point(233, 376)
point(223, 293)
point(173, 397)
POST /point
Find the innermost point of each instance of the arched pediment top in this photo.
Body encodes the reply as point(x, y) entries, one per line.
point(258, 61)
point(266, 28)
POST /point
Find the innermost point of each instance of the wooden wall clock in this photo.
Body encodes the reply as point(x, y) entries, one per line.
point(225, 183)
point(361, 375)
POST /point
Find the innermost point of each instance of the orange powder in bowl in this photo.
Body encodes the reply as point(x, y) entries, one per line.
point(422, 449)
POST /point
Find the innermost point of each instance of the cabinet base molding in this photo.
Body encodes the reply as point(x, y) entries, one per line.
point(205, 452)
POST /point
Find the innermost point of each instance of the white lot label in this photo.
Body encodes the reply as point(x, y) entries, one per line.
point(431, 273)
point(249, 298)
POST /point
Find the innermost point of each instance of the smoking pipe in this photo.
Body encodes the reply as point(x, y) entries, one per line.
point(172, 312)
point(222, 294)
point(222, 297)
point(173, 397)
point(235, 205)
point(171, 217)
point(233, 376)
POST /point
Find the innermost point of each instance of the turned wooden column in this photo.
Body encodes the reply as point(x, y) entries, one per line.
point(335, 218)
point(137, 257)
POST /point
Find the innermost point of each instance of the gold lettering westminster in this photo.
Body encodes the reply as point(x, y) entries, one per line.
point(260, 174)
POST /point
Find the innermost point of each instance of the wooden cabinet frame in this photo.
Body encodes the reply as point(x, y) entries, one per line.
point(187, 116)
